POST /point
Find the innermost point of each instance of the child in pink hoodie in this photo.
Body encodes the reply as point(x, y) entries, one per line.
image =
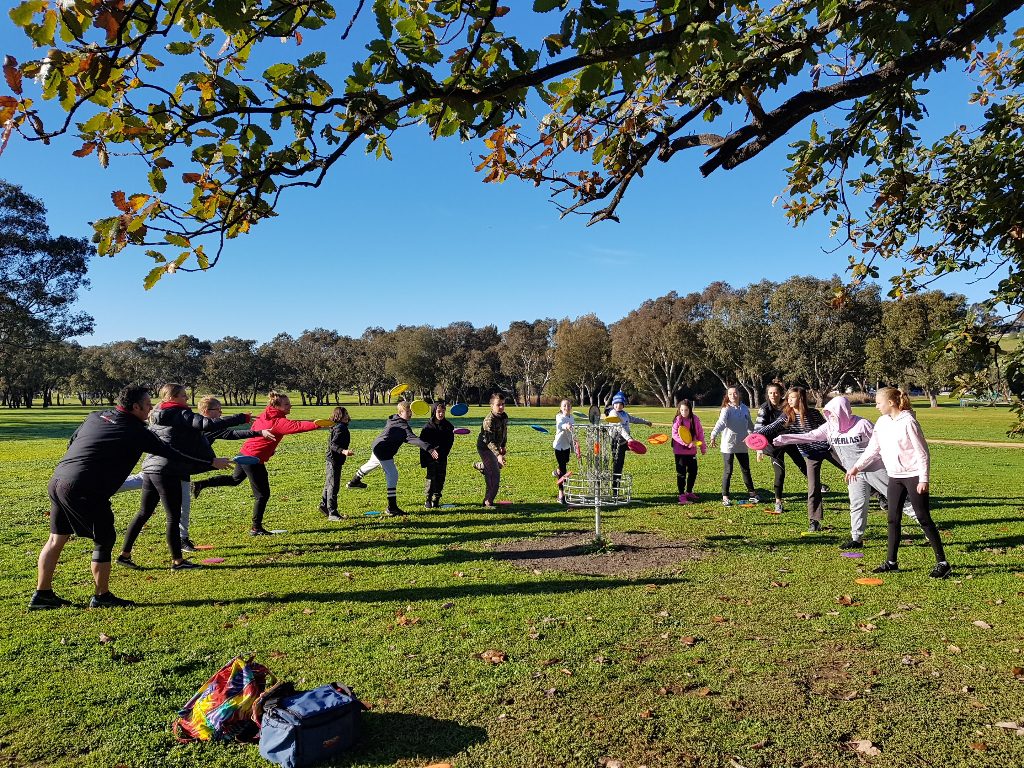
point(685, 451)
point(900, 443)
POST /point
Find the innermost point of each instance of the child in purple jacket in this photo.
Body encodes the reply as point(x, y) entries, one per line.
point(685, 451)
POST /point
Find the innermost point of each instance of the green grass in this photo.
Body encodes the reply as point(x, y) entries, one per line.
point(782, 674)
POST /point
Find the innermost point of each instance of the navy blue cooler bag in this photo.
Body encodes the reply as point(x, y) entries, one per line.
point(305, 728)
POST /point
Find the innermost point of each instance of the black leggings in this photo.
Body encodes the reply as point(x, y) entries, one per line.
point(156, 488)
point(259, 481)
point(332, 478)
point(777, 455)
point(437, 471)
point(686, 473)
point(899, 490)
point(744, 460)
point(562, 456)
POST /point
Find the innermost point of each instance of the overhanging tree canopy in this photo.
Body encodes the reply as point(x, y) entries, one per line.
point(602, 90)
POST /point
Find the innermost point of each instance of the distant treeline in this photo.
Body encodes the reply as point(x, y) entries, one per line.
point(822, 334)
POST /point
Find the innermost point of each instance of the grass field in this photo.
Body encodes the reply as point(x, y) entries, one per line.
point(762, 653)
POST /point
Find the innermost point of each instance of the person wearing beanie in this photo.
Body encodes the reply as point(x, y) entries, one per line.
point(621, 436)
point(440, 433)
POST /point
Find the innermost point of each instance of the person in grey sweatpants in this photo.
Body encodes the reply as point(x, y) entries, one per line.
point(849, 436)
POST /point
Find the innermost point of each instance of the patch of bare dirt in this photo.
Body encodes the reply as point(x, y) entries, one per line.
point(624, 554)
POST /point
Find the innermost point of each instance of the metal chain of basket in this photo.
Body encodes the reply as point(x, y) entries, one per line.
point(594, 482)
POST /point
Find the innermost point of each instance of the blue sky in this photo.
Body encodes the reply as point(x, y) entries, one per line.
point(422, 240)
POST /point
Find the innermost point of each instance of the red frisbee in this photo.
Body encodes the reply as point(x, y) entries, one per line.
point(636, 446)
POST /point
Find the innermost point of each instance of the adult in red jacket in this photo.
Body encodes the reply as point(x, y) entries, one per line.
point(274, 418)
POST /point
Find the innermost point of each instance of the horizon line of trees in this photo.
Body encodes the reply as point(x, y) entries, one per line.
point(818, 333)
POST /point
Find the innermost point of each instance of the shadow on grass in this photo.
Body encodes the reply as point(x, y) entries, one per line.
point(36, 429)
point(446, 592)
point(390, 737)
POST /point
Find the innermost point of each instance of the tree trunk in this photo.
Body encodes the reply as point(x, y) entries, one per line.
point(933, 400)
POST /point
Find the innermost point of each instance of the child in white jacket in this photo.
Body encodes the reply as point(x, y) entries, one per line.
point(899, 441)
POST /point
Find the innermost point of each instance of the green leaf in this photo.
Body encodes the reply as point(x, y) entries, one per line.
point(543, 6)
point(157, 182)
point(179, 48)
point(278, 72)
point(154, 276)
point(313, 60)
point(177, 240)
point(22, 14)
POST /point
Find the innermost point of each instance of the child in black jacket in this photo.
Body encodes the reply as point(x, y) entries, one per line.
point(396, 432)
point(337, 452)
point(440, 433)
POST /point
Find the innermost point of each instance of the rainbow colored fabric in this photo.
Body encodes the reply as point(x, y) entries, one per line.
point(222, 709)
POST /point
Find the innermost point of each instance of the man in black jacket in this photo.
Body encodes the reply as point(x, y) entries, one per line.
point(100, 455)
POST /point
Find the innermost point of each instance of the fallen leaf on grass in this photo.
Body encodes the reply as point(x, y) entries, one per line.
point(982, 624)
point(979, 746)
point(850, 695)
point(566, 672)
point(806, 616)
point(1018, 672)
point(866, 627)
point(689, 641)
point(347, 575)
point(953, 648)
point(1008, 725)
point(609, 762)
point(549, 662)
point(780, 584)
point(458, 574)
point(646, 714)
point(439, 765)
point(719, 619)
point(449, 604)
point(864, 747)
point(404, 620)
point(492, 656)
point(308, 611)
point(277, 654)
point(702, 691)
point(846, 600)
point(105, 638)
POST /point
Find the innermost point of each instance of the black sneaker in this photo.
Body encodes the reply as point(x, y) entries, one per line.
point(185, 565)
point(886, 567)
point(814, 527)
point(260, 532)
point(825, 488)
point(355, 482)
point(127, 562)
point(195, 489)
point(110, 600)
point(46, 601)
point(396, 512)
point(853, 544)
point(188, 546)
point(334, 517)
point(941, 570)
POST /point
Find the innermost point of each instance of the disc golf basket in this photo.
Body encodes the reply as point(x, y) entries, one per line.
point(594, 483)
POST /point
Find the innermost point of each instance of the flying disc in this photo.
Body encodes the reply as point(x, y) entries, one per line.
point(245, 460)
point(853, 554)
point(611, 418)
point(770, 511)
point(657, 439)
point(637, 447)
point(212, 560)
point(581, 415)
point(420, 408)
point(324, 422)
point(278, 530)
point(868, 582)
point(459, 409)
point(396, 391)
point(594, 414)
point(503, 502)
point(539, 428)
point(562, 479)
point(747, 506)
point(460, 431)
point(684, 435)
point(756, 442)
point(204, 546)
point(448, 506)
point(372, 513)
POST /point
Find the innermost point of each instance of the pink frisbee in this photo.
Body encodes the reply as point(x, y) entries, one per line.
point(212, 560)
point(460, 431)
point(756, 442)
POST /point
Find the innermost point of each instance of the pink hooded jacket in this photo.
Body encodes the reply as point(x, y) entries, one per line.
point(900, 442)
point(848, 434)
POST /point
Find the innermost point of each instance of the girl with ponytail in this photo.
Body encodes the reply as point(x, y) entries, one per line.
point(899, 441)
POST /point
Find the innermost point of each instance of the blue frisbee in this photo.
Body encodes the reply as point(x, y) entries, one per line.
point(459, 409)
point(539, 428)
point(245, 460)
